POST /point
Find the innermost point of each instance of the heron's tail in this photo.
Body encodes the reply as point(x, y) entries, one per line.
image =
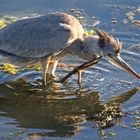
point(6, 57)
point(3, 56)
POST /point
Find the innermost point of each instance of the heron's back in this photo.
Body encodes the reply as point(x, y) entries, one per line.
point(40, 36)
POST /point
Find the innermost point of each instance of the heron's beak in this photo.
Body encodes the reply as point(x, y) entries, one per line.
point(119, 62)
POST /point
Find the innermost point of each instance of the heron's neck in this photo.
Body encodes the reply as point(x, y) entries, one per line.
point(76, 47)
point(87, 49)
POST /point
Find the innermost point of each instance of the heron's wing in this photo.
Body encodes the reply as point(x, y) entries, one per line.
point(36, 37)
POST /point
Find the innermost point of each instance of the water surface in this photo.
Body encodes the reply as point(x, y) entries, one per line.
point(107, 106)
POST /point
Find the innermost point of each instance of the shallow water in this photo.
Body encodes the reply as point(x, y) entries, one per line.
point(107, 106)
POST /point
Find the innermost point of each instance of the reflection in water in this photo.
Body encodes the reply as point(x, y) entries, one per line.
point(58, 109)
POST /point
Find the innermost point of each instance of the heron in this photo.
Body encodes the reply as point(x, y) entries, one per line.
point(48, 38)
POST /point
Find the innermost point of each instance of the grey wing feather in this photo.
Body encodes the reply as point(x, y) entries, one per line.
point(34, 38)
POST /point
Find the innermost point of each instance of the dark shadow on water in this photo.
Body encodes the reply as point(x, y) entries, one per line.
point(57, 109)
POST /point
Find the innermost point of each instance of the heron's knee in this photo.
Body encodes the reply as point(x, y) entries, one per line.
point(52, 67)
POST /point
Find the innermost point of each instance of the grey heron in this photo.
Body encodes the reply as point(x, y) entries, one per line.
point(47, 39)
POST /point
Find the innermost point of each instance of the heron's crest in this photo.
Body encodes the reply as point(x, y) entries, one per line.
point(115, 43)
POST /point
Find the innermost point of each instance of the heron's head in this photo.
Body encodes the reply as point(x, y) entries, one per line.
point(111, 49)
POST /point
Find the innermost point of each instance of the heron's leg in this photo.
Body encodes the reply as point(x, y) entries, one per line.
point(79, 78)
point(45, 65)
point(81, 67)
point(52, 67)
